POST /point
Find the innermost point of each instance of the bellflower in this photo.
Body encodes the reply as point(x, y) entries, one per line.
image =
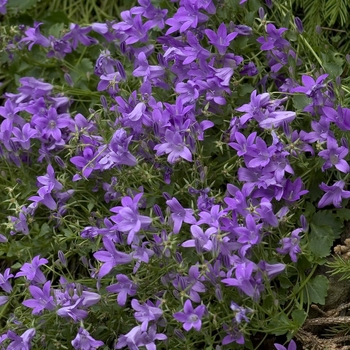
point(334, 194)
point(32, 271)
point(334, 155)
point(77, 34)
point(4, 281)
point(20, 342)
point(175, 146)
point(148, 338)
point(84, 341)
point(42, 299)
point(233, 334)
point(179, 214)
point(3, 4)
point(291, 245)
point(33, 36)
point(124, 287)
point(191, 318)
point(73, 311)
point(292, 346)
point(221, 40)
point(146, 313)
point(273, 39)
point(111, 257)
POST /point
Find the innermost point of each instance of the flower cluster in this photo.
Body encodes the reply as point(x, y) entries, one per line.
point(199, 234)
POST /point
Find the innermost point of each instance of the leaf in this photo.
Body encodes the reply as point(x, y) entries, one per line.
point(333, 69)
point(21, 5)
point(299, 317)
point(301, 101)
point(316, 290)
point(343, 213)
point(321, 240)
point(327, 218)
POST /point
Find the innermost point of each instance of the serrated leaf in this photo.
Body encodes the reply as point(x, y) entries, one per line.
point(327, 218)
point(343, 213)
point(316, 290)
point(56, 29)
point(321, 240)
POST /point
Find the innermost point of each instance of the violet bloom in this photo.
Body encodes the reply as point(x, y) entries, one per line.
point(221, 40)
point(72, 311)
point(179, 214)
point(174, 146)
point(52, 123)
point(244, 280)
point(130, 339)
point(87, 162)
point(292, 346)
point(148, 338)
point(3, 4)
point(312, 88)
point(334, 194)
point(42, 299)
point(49, 179)
point(273, 39)
point(254, 108)
point(201, 239)
point(32, 271)
point(233, 334)
point(84, 341)
point(128, 218)
point(290, 245)
point(24, 135)
point(33, 36)
point(78, 34)
point(4, 281)
point(124, 287)
point(20, 224)
point(146, 313)
point(20, 342)
point(334, 155)
point(191, 318)
point(111, 257)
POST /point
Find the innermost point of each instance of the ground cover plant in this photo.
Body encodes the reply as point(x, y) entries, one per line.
point(171, 178)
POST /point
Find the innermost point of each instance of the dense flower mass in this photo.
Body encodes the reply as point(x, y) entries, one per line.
point(165, 178)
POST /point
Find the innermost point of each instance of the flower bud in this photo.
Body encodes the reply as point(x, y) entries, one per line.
point(299, 24)
point(62, 258)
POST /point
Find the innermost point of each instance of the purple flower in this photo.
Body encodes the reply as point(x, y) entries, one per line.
point(291, 245)
point(33, 36)
point(244, 280)
point(174, 146)
point(240, 312)
point(73, 311)
point(334, 155)
point(274, 38)
point(130, 339)
point(220, 40)
point(111, 257)
point(179, 214)
point(292, 346)
point(201, 239)
point(42, 299)
point(21, 342)
point(52, 123)
point(4, 281)
point(191, 318)
point(124, 287)
point(87, 161)
point(24, 135)
point(84, 341)
point(78, 34)
point(3, 4)
point(128, 218)
point(146, 313)
point(3, 300)
point(334, 194)
point(233, 334)
point(32, 272)
point(148, 338)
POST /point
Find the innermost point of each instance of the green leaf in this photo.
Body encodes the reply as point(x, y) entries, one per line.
point(327, 218)
point(301, 101)
point(321, 240)
point(299, 317)
point(316, 290)
point(56, 29)
point(333, 69)
point(245, 89)
point(343, 213)
point(21, 5)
